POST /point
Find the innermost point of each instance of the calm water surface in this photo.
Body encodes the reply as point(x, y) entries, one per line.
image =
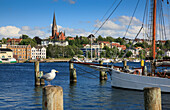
point(17, 90)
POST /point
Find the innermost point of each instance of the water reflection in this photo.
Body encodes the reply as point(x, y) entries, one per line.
point(37, 95)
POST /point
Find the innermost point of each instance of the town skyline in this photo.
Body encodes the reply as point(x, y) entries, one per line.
point(34, 18)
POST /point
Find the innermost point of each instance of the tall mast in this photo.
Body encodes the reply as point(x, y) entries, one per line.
point(154, 28)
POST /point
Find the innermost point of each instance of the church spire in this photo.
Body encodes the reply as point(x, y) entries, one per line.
point(54, 26)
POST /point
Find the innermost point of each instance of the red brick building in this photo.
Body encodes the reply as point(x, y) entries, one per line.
point(14, 41)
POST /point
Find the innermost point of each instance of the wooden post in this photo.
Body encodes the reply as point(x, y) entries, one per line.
point(152, 98)
point(42, 82)
point(124, 64)
point(73, 76)
point(103, 75)
point(37, 80)
point(52, 98)
point(71, 65)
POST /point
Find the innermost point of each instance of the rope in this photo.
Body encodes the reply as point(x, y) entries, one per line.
point(133, 41)
point(131, 18)
point(108, 18)
point(85, 72)
point(82, 70)
point(105, 14)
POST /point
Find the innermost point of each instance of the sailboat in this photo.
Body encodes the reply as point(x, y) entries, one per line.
point(138, 79)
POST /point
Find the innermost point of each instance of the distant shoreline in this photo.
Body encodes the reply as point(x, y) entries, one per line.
point(46, 60)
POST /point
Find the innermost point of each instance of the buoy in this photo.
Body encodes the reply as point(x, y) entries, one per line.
point(136, 72)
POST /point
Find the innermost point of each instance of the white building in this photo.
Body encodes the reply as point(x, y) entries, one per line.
point(3, 46)
point(38, 52)
point(59, 43)
point(167, 53)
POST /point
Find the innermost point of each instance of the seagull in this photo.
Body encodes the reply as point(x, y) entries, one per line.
point(49, 76)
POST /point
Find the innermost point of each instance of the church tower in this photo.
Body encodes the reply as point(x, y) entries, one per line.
point(54, 27)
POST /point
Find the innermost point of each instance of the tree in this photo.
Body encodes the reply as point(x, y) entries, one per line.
point(100, 38)
point(128, 54)
point(110, 39)
point(167, 44)
point(24, 36)
point(138, 44)
point(120, 40)
point(37, 39)
point(4, 41)
point(142, 54)
point(28, 41)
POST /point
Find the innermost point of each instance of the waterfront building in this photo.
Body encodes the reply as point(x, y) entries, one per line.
point(120, 47)
point(59, 43)
point(14, 41)
point(21, 52)
point(6, 53)
point(104, 43)
point(3, 46)
point(167, 53)
point(38, 52)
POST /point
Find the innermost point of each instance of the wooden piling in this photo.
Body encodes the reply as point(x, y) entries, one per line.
point(73, 75)
point(52, 98)
point(42, 82)
point(152, 98)
point(36, 67)
point(124, 64)
point(103, 74)
point(71, 66)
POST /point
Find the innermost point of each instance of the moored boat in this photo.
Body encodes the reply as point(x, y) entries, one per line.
point(138, 79)
point(8, 60)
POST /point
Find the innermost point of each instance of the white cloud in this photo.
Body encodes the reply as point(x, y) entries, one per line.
point(117, 27)
point(9, 31)
point(32, 32)
point(13, 31)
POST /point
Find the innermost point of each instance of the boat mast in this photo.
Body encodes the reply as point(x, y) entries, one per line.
point(154, 28)
point(91, 47)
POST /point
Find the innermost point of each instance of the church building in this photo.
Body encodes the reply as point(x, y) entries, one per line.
point(57, 35)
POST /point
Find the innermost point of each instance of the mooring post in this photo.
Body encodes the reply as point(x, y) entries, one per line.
point(152, 98)
point(42, 82)
point(124, 64)
point(71, 66)
point(36, 67)
point(103, 75)
point(142, 66)
point(52, 98)
point(73, 75)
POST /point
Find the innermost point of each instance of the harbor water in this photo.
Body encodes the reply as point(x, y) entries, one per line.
point(17, 90)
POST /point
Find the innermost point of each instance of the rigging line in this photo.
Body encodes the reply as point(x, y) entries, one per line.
point(107, 18)
point(140, 28)
point(105, 14)
point(131, 18)
point(146, 17)
point(86, 71)
point(133, 41)
point(163, 22)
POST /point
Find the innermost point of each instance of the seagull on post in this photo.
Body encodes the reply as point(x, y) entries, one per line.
point(49, 76)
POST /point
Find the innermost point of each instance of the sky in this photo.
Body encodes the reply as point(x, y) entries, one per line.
point(75, 17)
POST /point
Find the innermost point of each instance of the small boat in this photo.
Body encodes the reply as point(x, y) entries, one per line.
point(136, 60)
point(8, 60)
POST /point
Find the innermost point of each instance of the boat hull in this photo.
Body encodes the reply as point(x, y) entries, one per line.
point(138, 82)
